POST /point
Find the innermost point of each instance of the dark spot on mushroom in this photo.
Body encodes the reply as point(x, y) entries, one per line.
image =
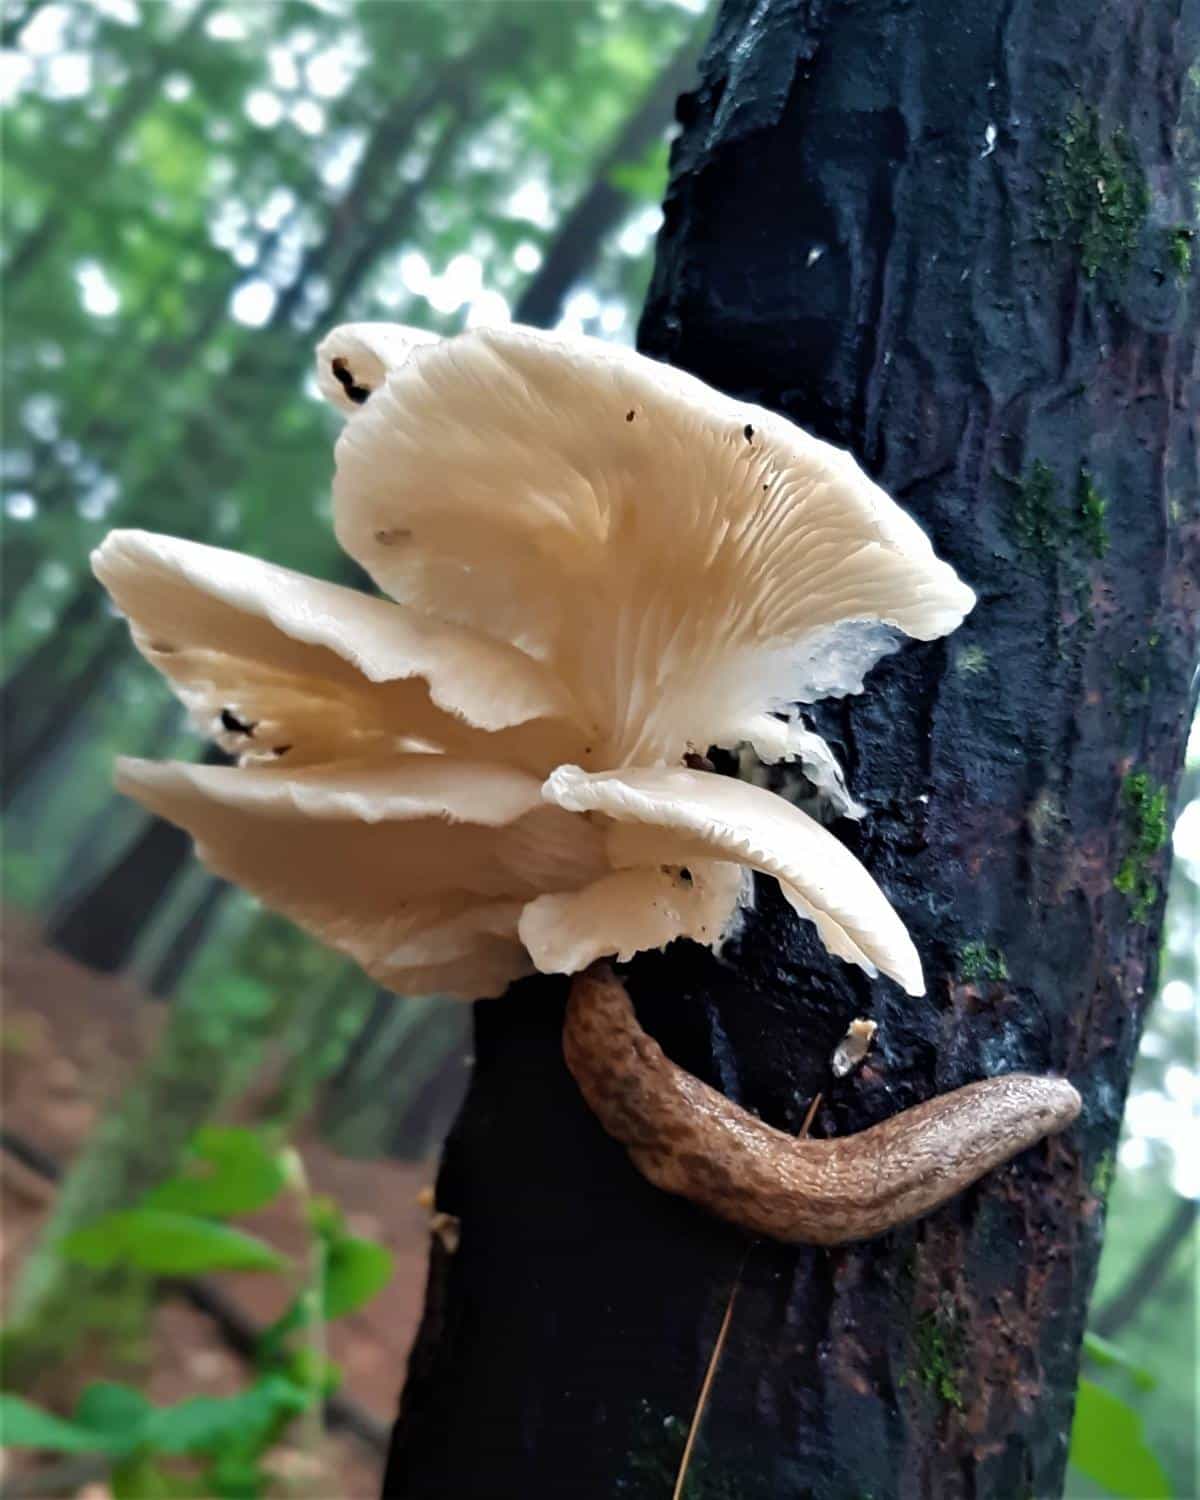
point(696, 762)
point(390, 535)
point(162, 649)
point(233, 725)
point(748, 432)
point(685, 875)
point(629, 416)
point(356, 393)
point(282, 749)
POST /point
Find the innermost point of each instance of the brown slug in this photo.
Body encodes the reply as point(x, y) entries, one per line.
point(687, 1138)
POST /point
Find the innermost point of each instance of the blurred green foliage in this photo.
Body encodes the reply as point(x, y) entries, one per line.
point(195, 190)
point(226, 1437)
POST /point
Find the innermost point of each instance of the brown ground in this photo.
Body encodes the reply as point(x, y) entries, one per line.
point(67, 1039)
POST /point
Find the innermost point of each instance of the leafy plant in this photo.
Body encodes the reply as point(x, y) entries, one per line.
point(1107, 1441)
point(178, 1229)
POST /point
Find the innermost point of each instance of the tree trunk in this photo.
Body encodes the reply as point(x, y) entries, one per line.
point(953, 238)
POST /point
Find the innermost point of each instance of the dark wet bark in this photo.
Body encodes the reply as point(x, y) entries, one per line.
point(951, 237)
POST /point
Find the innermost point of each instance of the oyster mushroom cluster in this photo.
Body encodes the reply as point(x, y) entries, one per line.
point(596, 567)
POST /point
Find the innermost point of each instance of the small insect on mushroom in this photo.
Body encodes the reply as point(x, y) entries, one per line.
point(504, 766)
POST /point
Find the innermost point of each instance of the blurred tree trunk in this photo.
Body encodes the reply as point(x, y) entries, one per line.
point(350, 222)
point(189, 937)
point(100, 926)
point(139, 94)
point(601, 207)
point(387, 231)
point(49, 691)
point(956, 239)
point(1146, 1276)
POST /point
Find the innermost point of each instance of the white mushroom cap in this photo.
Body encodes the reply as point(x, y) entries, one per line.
point(321, 671)
point(421, 863)
point(682, 817)
point(599, 564)
point(683, 561)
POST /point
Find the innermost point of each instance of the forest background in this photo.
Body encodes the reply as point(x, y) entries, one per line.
point(194, 190)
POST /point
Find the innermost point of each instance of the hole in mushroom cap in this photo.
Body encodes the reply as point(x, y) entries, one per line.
point(341, 373)
point(629, 415)
point(748, 432)
point(233, 725)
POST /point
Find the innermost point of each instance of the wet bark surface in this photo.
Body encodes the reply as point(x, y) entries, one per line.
point(955, 239)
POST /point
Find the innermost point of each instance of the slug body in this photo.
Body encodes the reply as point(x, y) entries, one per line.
point(687, 1138)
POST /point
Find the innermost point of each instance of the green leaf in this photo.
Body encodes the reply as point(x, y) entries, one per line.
point(140, 1478)
point(237, 1478)
point(169, 1244)
point(117, 1411)
point(1107, 1444)
point(23, 1425)
point(1101, 1352)
point(231, 1170)
point(206, 1424)
point(355, 1270)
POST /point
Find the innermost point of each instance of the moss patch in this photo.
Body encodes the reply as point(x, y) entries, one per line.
point(1096, 195)
point(977, 961)
point(1036, 514)
point(1103, 1173)
point(1044, 521)
point(1093, 513)
point(971, 660)
point(1145, 807)
point(939, 1344)
point(1179, 248)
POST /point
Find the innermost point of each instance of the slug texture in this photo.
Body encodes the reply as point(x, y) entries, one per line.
point(689, 1139)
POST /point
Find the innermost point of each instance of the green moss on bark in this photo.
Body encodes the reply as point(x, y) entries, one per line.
point(1096, 194)
point(1145, 808)
point(977, 961)
point(1093, 514)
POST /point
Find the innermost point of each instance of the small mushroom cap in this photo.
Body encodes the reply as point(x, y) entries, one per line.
point(679, 816)
point(684, 562)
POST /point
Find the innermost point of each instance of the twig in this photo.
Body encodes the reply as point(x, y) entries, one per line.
point(714, 1360)
point(706, 1386)
point(240, 1332)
